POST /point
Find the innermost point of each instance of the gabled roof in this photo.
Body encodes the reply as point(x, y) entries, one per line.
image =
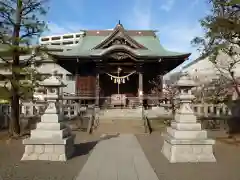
point(138, 43)
point(119, 34)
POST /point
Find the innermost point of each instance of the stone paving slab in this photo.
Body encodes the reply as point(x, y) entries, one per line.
point(118, 158)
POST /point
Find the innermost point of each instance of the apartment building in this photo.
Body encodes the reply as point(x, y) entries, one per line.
point(69, 39)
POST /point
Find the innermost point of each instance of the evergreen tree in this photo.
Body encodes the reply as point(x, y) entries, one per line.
point(20, 22)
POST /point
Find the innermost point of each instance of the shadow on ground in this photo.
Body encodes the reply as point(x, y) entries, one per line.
point(85, 148)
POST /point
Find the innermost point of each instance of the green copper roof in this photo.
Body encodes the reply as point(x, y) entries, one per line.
point(87, 43)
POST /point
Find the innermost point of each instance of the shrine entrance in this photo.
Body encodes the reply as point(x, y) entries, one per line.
point(127, 85)
point(118, 88)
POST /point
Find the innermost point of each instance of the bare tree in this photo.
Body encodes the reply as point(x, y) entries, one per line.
point(167, 90)
point(221, 41)
point(216, 91)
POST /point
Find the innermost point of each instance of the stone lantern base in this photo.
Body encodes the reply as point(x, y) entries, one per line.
point(52, 140)
point(185, 141)
point(49, 149)
point(188, 150)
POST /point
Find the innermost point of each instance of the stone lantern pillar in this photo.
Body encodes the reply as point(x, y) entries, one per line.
point(184, 141)
point(52, 140)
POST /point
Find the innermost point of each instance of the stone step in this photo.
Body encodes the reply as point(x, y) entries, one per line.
point(186, 126)
point(40, 133)
point(126, 126)
point(178, 134)
point(51, 126)
point(129, 121)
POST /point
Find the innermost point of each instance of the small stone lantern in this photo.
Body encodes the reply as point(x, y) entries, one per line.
point(53, 86)
point(184, 141)
point(52, 140)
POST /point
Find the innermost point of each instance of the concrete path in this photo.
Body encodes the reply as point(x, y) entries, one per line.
point(118, 158)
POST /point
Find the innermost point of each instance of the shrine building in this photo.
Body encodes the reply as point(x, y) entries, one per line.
point(116, 62)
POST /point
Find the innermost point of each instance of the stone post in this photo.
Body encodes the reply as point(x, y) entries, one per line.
point(52, 140)
point(23, 109)
point(184, 140)
point(218, 110)
point(31, 109)
point(211, 109)
point(205, 110)
point(69, 112)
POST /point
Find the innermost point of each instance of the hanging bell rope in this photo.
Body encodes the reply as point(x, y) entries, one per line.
point(120, 79)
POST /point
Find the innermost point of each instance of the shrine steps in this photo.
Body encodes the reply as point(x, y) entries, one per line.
point(120, 121)
point(120, 114)
point(125, 126)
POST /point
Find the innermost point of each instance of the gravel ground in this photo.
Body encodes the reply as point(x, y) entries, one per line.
point(11, 168)
point(226, 168)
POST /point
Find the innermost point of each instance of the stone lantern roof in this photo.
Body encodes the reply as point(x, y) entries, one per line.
point(185, 81)
point(52, 81)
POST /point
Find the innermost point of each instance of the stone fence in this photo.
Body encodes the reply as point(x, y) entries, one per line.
point(36, 109)
point(204, 110)
point(212, 110)
point(30, 109)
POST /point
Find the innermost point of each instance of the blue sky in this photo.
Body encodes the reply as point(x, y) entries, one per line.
point(177, 21)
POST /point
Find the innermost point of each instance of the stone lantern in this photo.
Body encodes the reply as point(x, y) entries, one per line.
point(53, 91)
point(185, 141)
point(52, 140)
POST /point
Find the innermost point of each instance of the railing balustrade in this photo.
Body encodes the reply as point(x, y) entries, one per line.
point(205, 110)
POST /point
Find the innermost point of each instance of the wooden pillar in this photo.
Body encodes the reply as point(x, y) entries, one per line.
point(140, 84)
point(161, 79)
point(76, 78)
point(97, 89)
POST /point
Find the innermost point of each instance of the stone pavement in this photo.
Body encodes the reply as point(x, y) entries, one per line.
point(117, 158)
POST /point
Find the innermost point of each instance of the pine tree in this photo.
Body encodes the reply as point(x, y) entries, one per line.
point(20, 22)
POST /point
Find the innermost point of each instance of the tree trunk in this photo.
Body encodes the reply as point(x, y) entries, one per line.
point(237, 90)
point(236, 85)
point(15, 122)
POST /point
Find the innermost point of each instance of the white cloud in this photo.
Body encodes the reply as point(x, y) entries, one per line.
point(178, 37)
point(56, 29)
point(140, 15)
point(69, 27)
point(194, 3)
point(167, 6)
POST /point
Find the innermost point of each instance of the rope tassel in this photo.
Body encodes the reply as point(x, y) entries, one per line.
point(120, 79)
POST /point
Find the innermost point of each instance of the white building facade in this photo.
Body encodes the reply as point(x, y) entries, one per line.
point(48, 65)
point(205, 70)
